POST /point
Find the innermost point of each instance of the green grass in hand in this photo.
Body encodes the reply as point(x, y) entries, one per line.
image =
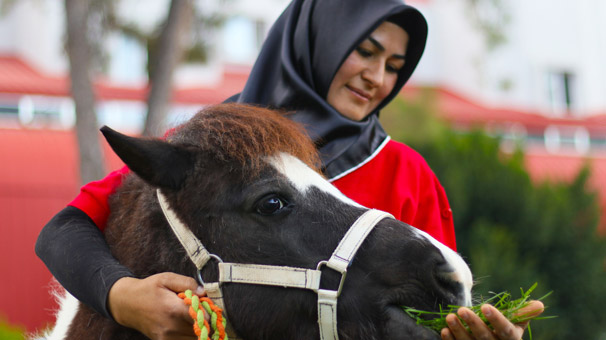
point(502, 301)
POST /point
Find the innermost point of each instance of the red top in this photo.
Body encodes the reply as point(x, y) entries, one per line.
point(396, 180)
point(399, 181)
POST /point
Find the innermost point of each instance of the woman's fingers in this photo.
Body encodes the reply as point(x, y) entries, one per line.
point(534, 309)
point(477, 326)
point(446, 334)
point(152, 306)
point(179, 283)
point(502, 328)
point(455, 330)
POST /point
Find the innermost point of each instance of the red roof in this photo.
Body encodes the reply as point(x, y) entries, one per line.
point(464, 112)
point(17, 77)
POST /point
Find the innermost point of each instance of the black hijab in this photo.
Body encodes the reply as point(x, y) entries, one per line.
point(302, 53)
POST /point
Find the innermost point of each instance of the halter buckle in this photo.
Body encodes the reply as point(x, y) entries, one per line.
point(199, 274)
point(342, 272)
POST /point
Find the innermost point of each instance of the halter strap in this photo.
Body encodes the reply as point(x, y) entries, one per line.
point(270, 275)
point(343, 255)
point(197, 254)
point(341, 260)
point(194, 248)
point(282, 276)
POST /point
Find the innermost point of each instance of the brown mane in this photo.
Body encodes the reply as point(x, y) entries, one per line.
point(244, 133)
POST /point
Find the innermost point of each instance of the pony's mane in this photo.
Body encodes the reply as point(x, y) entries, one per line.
point(245, 134)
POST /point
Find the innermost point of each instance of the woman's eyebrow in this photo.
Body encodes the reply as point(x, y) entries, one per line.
point(381, 48)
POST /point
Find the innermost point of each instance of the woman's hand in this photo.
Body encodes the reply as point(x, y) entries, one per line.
point(152, 307)
point(503, 328)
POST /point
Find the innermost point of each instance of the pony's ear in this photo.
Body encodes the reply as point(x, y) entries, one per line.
point(156, 161)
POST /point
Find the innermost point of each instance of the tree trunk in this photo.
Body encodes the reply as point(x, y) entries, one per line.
point(79, 53)
point(169, 52)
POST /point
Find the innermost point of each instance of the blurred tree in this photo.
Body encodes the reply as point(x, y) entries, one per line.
point(170, 51)
point(6, 6)
point(181, 37)
point(511, 231)
point(491, 18)
point(80, 54)
point(87, 24)
point(420, 125)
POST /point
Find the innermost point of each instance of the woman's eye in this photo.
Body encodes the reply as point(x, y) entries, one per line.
point(363, 52)
point(271, 205)
point(392, 69)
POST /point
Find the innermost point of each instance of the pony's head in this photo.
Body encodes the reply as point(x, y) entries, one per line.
point(243, 179)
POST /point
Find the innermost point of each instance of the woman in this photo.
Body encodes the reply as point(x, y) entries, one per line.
point(335, 64)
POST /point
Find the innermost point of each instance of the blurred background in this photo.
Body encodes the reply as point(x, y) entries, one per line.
point(508, 106)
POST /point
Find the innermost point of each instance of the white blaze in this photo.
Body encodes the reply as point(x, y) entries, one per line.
point(303, 177)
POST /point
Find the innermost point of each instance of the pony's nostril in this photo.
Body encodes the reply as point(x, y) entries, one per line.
point(454, 278)
point(446, 279)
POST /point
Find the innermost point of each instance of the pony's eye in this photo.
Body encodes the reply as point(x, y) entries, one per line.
point(271, 205)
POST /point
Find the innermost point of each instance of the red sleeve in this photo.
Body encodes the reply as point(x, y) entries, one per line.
point(399, 181)
point(93, 197)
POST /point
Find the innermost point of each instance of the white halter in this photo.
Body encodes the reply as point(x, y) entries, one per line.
point(280, 275)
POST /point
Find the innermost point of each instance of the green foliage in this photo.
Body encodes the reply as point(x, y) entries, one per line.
point(514, 232)
point(490, 18)
point(6, 6)
point(10, 332)
point(419, 126)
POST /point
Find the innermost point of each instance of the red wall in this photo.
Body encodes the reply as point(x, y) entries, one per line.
point(38, 177)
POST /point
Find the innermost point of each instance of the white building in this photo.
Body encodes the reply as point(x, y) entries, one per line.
point(551, 63)
point(553, 60)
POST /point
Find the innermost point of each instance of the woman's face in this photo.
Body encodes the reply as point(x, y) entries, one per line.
point(369, 73)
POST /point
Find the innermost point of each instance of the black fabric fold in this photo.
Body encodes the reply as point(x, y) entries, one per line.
point(303, 51)
point(76, 253)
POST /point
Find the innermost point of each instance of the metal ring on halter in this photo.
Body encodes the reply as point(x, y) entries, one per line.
point(199, 274)
point(343, 274)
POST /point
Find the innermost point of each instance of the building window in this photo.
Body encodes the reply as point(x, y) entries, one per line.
point(240, 40)
point(561, 94)
point(46, 112)
point(128, 60)
point(260, 30)
point(567, 138)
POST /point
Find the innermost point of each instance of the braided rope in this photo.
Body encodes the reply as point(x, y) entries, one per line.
point(201, 327)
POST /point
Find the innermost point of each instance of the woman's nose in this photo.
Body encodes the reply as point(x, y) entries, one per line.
point(374, 74)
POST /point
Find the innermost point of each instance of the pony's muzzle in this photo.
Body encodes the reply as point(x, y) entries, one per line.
point(451, 285)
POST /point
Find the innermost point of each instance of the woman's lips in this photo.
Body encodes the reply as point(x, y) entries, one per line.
point(360, 93)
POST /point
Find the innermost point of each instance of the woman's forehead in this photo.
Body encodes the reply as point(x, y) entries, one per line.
point(389, 37)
